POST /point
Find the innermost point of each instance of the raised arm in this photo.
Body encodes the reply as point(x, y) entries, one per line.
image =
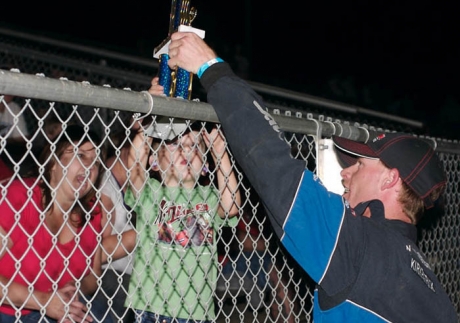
point(137, 160)
point(230, 198)
point(256, 141)
point(227, 183)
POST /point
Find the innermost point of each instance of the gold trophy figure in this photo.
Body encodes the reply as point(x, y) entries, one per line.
point(176, 82)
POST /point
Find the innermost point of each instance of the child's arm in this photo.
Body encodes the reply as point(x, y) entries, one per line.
point(112, 247)
point(137, 159)
point(230, 199)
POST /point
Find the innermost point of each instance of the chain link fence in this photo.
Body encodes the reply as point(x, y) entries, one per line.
point(46, 86)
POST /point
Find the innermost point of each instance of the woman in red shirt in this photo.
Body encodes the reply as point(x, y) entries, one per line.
point(49, 228)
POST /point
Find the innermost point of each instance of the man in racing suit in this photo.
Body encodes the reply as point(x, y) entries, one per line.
point(360, 247)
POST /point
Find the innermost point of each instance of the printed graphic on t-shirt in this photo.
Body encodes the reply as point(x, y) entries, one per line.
point(185, 225)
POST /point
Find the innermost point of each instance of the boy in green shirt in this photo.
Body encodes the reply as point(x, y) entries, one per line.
point(175, 264)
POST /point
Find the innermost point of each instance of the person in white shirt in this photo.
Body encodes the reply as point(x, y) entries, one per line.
point(12, 122)
point(120, 244)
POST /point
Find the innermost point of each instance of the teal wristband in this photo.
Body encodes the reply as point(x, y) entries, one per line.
point(206, 65)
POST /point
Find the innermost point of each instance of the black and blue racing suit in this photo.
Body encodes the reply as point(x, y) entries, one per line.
point(366, 269)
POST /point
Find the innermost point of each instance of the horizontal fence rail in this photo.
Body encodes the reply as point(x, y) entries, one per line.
point(81, 93)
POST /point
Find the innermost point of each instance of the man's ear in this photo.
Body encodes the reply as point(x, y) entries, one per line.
point(392, 179)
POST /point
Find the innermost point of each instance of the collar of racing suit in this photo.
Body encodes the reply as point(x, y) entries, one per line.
point(378, 213)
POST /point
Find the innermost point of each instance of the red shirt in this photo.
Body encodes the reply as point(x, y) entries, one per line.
point(41, 261)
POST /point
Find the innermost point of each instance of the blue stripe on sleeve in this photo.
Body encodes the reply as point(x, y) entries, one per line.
point(312, 226)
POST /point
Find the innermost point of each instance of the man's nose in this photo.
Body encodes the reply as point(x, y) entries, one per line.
point(346, 172)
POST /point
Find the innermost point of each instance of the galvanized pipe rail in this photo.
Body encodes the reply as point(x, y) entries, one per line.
point(85, 94)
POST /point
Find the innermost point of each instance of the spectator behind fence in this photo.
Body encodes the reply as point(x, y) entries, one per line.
point(175, 265)
point(360, 248)
point(118, 246)
point(17, 160)
point(49, 226)
point(9, 111)
point(52, 127)
point(251, 261)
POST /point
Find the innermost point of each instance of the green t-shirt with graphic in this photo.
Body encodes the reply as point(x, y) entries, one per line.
point(175, 260)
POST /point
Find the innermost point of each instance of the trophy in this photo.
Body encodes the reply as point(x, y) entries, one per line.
point(176, 82)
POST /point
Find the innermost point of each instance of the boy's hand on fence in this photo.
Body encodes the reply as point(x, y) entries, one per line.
point(156, 88)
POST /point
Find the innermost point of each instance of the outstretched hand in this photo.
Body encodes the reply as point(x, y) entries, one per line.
point(188, 51)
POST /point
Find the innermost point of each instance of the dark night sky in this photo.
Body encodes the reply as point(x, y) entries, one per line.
point(404, 50)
